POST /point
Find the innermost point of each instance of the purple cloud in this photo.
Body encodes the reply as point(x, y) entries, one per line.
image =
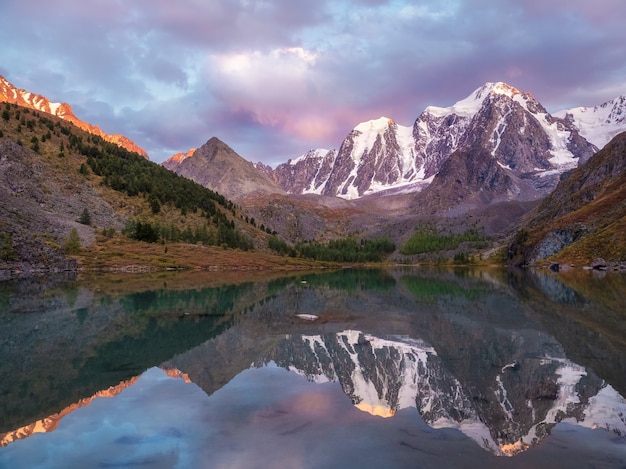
point(274, 79)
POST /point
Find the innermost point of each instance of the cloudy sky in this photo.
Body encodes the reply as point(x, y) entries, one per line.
point(275, 78)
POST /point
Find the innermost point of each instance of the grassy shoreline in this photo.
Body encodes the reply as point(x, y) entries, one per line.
point(120, 254)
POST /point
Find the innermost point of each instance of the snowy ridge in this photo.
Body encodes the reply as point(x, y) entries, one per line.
point(598, 124)
point(377, 148)
point(311, 154)
point(26, 98)
point(469, 106)
point(366, 134)
point(308, 173)
point(13, 95)
point(558, 135)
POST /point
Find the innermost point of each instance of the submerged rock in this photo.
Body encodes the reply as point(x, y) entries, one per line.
point(598, 264)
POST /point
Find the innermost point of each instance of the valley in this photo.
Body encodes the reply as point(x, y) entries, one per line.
point(495, 165)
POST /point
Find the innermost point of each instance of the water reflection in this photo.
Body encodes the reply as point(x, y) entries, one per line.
point(505, 414)
point(500, 357)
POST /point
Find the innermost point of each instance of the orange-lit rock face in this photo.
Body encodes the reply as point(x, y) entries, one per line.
point(377, 410)
point(176, 374)
point(13, 95)
point(179, 157)
point(514, 448)
point(50, 423)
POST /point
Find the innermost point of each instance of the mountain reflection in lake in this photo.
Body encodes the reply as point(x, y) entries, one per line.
point(403, 368)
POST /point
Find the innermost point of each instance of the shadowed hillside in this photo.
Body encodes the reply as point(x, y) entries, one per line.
point(584, 217)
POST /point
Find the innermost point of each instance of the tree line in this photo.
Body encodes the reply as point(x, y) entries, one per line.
point(222, 233)
point(130, 173)
point(427, 239)
point(340, 250)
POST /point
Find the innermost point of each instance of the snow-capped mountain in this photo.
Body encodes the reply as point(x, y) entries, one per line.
point(307, 174)
point(13, 95)
point(598, 124)
point(383, 376)
point(380, 154)
point(375, 156)
point(512, 125)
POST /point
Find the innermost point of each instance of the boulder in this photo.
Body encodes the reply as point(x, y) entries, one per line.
point(598, 264)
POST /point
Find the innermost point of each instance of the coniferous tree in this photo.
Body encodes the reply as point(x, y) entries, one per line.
point(7, 252)
point(85, 217)
point(72, 244)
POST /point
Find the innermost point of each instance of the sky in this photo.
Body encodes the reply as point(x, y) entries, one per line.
point(276, 78)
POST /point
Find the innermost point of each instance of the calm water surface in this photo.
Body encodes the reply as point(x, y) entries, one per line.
point(357, 368)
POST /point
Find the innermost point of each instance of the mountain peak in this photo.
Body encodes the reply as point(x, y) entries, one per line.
point(218, 167)
point(377, 125)
point(178, 158)
point(469, 106)
point(214, 141)
point(498, 88)
point(598, 124)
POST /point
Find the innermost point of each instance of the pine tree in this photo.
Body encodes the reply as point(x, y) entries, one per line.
point(7, 253)
point(85, 217)
point(72, 244)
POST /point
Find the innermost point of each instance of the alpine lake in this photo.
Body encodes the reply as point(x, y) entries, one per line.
point(402, 368)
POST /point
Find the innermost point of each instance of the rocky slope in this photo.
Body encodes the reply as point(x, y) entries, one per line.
point(173, 161)
point(586, 213)
point(13, 95)
point(55, 177)
point(472, 178)
point(217, 166)
point(41, 204)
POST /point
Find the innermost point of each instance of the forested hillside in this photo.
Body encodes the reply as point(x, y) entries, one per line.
point(62, 189)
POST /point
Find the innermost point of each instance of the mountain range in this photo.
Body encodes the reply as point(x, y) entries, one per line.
point(487, 159)
point(381, 156)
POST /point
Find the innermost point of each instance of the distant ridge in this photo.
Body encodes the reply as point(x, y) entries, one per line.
point(380, 155)
point(10, 94)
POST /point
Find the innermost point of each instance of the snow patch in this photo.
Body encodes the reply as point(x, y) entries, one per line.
point(54, 107)
point(598, 124)
point(316, 154)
